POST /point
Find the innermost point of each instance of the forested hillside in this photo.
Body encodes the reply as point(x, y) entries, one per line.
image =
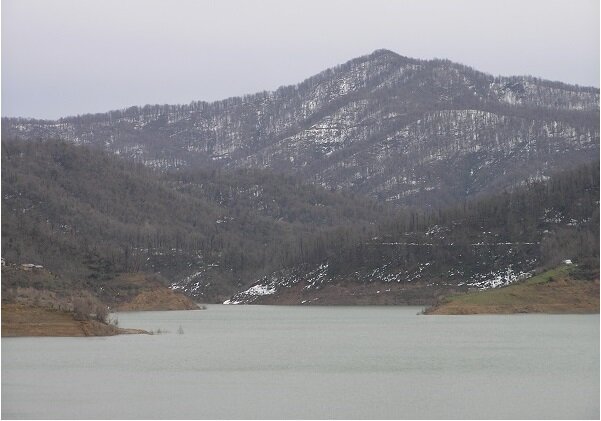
point(88, 216)
point(417, 256)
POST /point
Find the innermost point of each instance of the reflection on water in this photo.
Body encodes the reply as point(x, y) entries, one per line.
point(311, 362)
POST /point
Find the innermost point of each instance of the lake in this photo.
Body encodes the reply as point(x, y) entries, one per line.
point(311, 362)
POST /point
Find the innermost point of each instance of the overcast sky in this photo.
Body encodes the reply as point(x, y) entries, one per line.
point(67, 57)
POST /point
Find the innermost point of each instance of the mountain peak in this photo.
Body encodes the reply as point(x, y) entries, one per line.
point(383, 52)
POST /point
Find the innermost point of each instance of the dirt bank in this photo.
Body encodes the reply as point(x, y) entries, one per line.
point(157, 299)
point(21, 320)
point(351, 294)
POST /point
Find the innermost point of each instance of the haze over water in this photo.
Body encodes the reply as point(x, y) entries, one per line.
point(311, 362)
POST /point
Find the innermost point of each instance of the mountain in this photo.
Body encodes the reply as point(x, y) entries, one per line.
point(424, 133)
point(383, 180)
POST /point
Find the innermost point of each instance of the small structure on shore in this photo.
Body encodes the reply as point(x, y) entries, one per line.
point(31, 266)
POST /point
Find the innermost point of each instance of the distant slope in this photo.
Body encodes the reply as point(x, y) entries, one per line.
point(37, 287)
point(555, 291)
point(427, 133)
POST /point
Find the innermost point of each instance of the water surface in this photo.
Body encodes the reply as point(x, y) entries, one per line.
point(311, 362)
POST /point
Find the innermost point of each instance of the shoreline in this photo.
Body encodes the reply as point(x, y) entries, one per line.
point(551, 292)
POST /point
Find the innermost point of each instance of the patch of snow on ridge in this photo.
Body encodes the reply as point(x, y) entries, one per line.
point(252, 293)
point(496, 279)
point(261, 290)
point(231, 302)
point(317, 277)
point(285, 278)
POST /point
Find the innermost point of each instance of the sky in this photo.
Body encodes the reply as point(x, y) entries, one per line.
point(69, 57)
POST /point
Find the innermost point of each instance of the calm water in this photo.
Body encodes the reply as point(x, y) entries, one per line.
point(311, 362)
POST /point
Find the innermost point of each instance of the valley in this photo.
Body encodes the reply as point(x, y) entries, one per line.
point(280, 210)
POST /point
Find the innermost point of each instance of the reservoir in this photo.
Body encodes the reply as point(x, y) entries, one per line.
point(311, 362)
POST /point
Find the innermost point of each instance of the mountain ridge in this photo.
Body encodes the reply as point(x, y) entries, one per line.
point(371, 126)
point(376, 53)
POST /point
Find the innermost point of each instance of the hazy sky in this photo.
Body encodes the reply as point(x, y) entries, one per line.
point(66, 57)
